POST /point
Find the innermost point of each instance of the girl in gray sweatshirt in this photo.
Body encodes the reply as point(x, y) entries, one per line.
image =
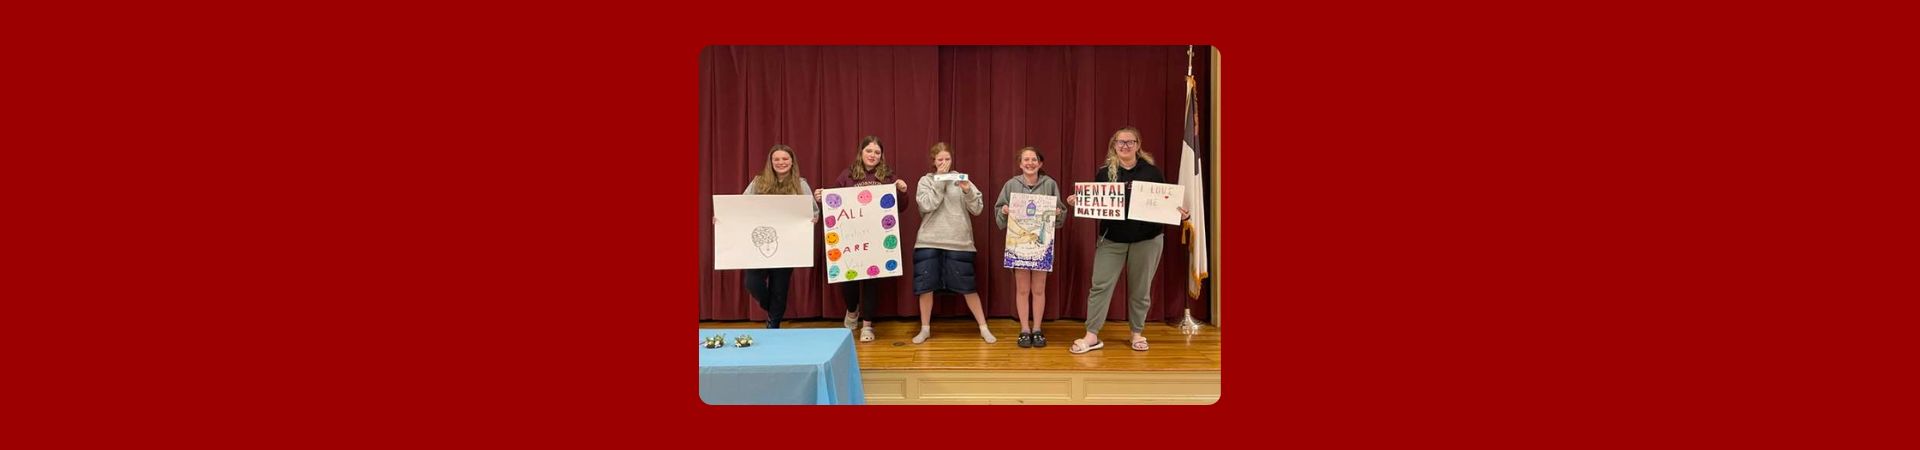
point(943, 252)
point(1029, 283)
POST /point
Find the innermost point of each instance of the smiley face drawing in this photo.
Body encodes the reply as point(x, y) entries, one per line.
point(833, 238)
point(866, 197)
point(833, 200)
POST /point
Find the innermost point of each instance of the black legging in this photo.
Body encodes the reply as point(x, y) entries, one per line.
point(854, 291)
point(769, 289)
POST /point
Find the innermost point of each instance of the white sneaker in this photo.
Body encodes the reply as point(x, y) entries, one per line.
point(853, 319)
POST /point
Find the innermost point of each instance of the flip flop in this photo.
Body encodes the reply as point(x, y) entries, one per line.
point(1079, 347)
point(1140, 343)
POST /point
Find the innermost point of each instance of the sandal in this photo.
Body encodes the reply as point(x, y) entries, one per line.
point(1081, 347)
point(866, 334)
point(1039, 340)
point(1139, 343)
point(1026, 340)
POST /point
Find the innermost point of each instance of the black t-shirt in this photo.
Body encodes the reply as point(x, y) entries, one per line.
point(1130, 231)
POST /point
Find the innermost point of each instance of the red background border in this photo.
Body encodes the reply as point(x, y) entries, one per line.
point(428, 224)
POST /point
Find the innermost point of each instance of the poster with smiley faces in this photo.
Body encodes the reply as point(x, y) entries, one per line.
point(861, 227)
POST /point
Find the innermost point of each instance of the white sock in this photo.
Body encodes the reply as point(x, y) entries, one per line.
point(988, 335)
point(924, 332)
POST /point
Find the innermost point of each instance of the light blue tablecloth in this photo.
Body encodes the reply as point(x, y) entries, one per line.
point(783, 367)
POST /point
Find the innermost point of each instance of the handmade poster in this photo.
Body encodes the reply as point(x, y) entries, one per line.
point(1156, 202)
point(1030, 231)
point(950, 176)
point(862, 226)
point(1100, 200)
point(762, 231)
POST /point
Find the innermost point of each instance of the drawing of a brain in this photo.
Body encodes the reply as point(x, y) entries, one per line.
point(767, 240)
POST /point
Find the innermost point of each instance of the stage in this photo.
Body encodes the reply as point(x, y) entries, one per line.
point(956, 367)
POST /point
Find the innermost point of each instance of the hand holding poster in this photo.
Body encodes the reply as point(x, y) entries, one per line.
point(1030, 232)
point(1100, 200)
point(862, 226)
point(762, 231)
point(1156, 202)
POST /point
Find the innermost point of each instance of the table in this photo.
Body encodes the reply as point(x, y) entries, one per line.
point(783, 367)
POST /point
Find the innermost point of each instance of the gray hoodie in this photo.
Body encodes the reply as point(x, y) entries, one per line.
point(1019, 184)
point(942, 223)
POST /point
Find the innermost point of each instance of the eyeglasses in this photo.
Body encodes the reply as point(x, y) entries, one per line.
point(1126, 143)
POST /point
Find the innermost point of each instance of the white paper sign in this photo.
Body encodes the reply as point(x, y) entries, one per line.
point(1100, 200)
point(862, 227)
point(950, 176)
point(1030, 231)
point(762, 231)
point(1156, 202)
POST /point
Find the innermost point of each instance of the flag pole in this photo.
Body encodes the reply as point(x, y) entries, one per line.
point(1188, 326)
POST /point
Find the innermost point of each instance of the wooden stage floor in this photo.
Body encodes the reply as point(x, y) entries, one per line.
point(956, 345)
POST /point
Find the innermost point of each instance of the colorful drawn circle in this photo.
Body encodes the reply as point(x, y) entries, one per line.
point(832, 270)
point(886, 201)
point(833, 254)
point(873, 270)
point(893, 265)
point(833, 238)
point(830, 221)
point(833, 200)
point(891, 242)
point(886, 223)
point(866, 197)
point(852, 274)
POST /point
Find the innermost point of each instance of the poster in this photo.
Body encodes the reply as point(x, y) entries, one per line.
point(762, 231)
point(1157, 202)
point(1030, 231)
point(862, 229)
point(1100, 200)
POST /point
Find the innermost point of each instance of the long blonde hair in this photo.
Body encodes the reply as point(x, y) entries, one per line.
point(1113, 155)
point(859, 170)
point(771, 182)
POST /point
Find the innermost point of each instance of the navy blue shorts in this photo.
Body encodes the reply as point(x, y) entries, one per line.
point(936, 270)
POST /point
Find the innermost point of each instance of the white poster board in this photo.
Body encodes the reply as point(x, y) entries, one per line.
point(1100, 200)
point(862, 229)
point(1030, 231)
point(762, 231)
point(1156, 202)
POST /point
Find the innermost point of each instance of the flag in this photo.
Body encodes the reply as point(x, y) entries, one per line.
point(1194, 231)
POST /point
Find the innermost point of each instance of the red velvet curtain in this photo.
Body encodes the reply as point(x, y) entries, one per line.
point(986, 102)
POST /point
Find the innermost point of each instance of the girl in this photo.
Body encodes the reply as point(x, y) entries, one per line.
point(943, 251)
point(1031, 180)
point(1134, 243)
point(780, 177)
point(869, 168)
